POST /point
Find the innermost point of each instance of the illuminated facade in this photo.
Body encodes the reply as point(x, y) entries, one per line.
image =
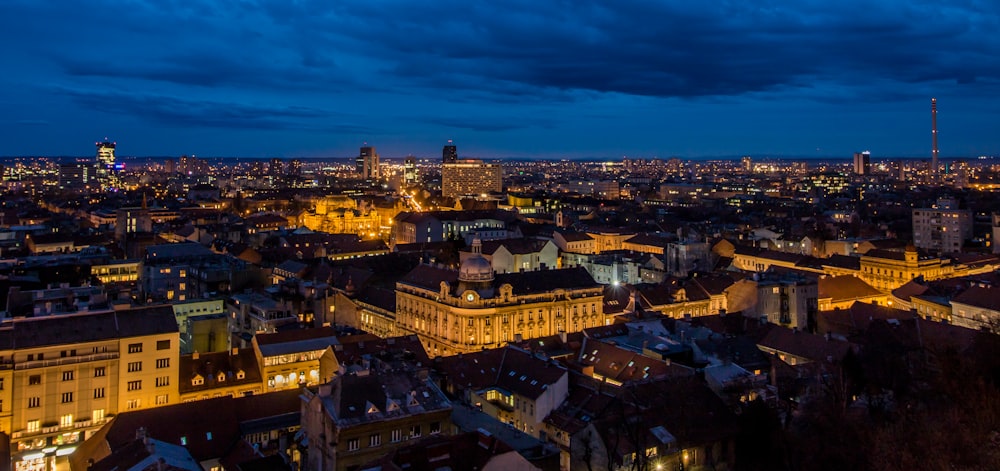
point(887, 270)
point(470, 177)
point(291, 359)
point(943, 228)
point(471, 309)
point(367, 164)
point(410, 170)
point(106, 166)
point(344, 215)
point(67, 375)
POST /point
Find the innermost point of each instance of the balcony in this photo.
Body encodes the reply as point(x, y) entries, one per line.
point(72, 360)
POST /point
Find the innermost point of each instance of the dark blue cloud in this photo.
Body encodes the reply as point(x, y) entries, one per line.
point(510, 70)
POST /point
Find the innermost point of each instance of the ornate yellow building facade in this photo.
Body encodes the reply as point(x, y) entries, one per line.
point(887, 270)
point(344, 215)
point(471, 309)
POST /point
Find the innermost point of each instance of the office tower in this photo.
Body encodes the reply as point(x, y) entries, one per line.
point(276, 168)
point(449, 153)
point(106, 162)
point(367, 163)
point(470, 177)
point(78, 176)
point(942, 227)
point(747, 164)
point(106, 154)
point(862, 163)
point(410, 170)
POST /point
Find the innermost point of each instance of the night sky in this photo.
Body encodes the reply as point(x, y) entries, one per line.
point(503, 78)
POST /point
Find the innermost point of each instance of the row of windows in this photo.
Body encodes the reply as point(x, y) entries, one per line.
point(395, 436)
point(99, 371)
point(66, 398)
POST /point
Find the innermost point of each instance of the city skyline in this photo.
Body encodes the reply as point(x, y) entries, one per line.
point(508, 80)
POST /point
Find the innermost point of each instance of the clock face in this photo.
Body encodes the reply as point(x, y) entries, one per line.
point(470, 297)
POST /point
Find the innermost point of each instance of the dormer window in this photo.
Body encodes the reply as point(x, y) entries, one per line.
point(240, 374)
point(221, 377)
point(370, 408)
point(413, 402)
point(391, 405)
point(197, 380)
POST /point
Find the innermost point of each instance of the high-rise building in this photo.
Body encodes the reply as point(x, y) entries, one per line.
point(257, 168)
point(470, 177)
point(961, 171)
point(294, 167)
point(276, 168)
point(410, 170)
point(78, 176)
point(449, 153)
point(106, 162)
point(192, 165)
point(862, 163)
point(942, 227)
point(747, 164)
point(367, 163)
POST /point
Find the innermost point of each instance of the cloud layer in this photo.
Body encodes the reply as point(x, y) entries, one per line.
point(501, 71)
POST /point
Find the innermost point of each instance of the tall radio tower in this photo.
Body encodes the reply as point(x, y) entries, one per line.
point(934, 150)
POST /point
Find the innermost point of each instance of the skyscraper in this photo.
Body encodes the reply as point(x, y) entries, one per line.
point(449, 154)
point(367, 163)
point(862, 163)
point(106, 162)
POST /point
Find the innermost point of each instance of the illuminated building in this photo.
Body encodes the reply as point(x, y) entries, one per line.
point(106, 168)
point(344, 215)
point(117, 271)
point(410, 170)
point(366, 164)
point(862, 163)
point(438, 226)
point(294, 167)
point(887, 270)
point(942, 228)
point(469, 309)
point(78, 176)
point(470, 177)
point(276, 168)
point(233, 373)
point(291, 359)
point(449, 154)
point(70, 374)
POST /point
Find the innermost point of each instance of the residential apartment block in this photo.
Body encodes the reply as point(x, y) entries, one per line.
point(64, 376)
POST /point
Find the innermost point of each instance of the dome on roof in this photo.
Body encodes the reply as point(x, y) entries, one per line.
point(475, 268)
